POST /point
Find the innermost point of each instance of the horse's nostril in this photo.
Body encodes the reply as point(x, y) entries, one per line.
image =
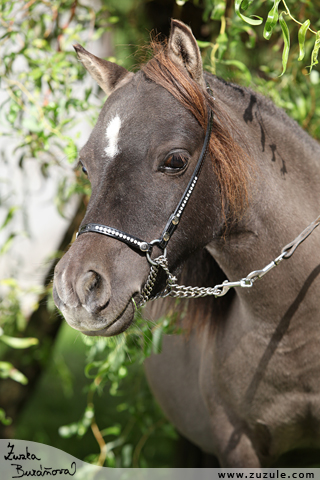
point(91, 280)
point(93, 291)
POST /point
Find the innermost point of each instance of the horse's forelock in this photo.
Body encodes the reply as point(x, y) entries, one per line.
point(231, 164)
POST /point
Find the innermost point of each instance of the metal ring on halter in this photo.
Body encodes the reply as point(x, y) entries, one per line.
point(154, 242)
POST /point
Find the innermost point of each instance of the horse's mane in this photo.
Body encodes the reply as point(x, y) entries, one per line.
point(233, 169)
point(231, 165)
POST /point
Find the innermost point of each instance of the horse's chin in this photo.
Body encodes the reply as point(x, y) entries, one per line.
point(119, 325)
point(101, 325)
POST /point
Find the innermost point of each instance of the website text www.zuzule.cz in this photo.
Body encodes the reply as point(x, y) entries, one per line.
point(274, 475)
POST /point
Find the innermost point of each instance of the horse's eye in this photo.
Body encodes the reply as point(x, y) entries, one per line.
point(80, 164)
point(175, 161)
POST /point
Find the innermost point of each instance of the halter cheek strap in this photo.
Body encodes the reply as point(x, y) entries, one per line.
point(177, 214)
point(173, 222)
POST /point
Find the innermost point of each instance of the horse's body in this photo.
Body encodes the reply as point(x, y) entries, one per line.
point(245, 383)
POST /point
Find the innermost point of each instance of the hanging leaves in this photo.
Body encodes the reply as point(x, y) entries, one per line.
point(16, 342)
point(3, 418)
point(286, 39)
point(252, 21)
point(271, 20)
point(7, 370)
point(315, 51)
point(302, 38)
point(271, 23)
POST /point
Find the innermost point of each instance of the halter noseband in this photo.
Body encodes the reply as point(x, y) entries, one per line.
point(173, 222)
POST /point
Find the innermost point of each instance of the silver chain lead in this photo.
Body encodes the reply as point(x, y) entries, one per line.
point(172, 289)
point(175, 290)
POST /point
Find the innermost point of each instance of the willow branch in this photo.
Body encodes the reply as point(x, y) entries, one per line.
point(293, 19)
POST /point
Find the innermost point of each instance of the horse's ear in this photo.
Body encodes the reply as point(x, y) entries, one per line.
point(107, 74)
point(183, 49)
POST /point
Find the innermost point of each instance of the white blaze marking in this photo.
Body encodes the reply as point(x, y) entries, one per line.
point(112, 134)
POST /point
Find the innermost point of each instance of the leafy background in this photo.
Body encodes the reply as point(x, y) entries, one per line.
point(89, 397)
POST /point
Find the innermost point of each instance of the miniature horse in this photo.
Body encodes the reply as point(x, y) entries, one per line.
point(244, 382)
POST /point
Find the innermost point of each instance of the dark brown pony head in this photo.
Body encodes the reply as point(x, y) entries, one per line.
point(140, 157)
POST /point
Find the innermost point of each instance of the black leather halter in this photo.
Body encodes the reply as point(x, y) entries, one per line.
point(173, 222)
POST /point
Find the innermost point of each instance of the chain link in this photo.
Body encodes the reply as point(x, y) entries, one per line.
point(172, 289)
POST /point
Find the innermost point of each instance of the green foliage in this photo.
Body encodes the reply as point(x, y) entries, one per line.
point(270, 24)
point(315, 51)
point(7, 370)
point(249, 20)
point(13, 321)
point(112, 363)
point(272, 19)
point(15, 342)
point(286, 40)
point(302, 38)
point(38, 77)
point(39, 73)
point(251, 54)
point(3, 419)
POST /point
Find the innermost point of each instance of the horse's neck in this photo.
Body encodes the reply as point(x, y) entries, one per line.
point(284, 196)
point(279, 145)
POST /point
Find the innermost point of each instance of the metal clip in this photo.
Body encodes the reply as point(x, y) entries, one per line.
point(154, 262)
point(246, 282)
point(226, 285)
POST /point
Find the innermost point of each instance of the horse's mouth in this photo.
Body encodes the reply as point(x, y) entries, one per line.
point(123, 320)
point(104, 323)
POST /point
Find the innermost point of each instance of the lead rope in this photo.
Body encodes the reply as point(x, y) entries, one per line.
point(172, 289)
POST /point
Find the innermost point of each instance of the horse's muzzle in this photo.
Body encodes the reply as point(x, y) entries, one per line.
point(82, 292)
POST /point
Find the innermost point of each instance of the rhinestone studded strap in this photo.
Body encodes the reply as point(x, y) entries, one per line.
point(134, 242)
point(177, 214)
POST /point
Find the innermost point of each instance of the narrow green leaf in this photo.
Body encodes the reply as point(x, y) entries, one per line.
point(18, 376)
point(271, 20)
point(202, 44)
point(315, 51)
point(15, 342)
point(286, 39)
point(249, 20)
point(9, 216)
point(115, 430)
point(3, 419)
point(6, 246)
point(302, 37)
point(7, 370)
